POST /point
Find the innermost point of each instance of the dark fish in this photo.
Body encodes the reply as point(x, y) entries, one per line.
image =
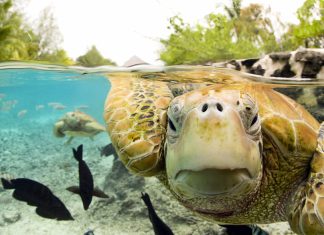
point(89, 232)
point(37, 194)
point(85, 178)
point(160, 228)
point(108, 150)
point(97, 192)
point(244, 229)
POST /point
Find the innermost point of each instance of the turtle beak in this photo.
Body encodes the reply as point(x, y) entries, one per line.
point(213, 154)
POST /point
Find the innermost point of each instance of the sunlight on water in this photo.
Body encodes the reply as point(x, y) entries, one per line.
point(34, 97)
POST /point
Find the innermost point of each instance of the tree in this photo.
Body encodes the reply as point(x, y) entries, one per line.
point(234, 11)
point(17, 41)
point(310, 30)
point(243, 32)
point(58, 57)
point(50, 40)
point(48, 33)
point(257, 26)
point(93, 58)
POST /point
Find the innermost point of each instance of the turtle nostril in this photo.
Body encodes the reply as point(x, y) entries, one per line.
point(204, 108)
point(219, 107)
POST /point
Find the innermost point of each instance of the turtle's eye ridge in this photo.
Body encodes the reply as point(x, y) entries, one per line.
point(171, 125)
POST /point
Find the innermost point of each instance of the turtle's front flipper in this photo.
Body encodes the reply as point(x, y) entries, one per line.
point(307, 216)
point(69, 140)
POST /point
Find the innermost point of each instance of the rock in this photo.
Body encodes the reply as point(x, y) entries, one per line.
point(308, 98)
point(11, 217)
point(319, 93)
point(302, 63)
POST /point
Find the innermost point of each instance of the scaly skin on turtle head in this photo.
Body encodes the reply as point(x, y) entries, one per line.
point(239, 153)
point(213, 149)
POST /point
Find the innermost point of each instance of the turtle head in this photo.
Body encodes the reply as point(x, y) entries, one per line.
point(213, 149)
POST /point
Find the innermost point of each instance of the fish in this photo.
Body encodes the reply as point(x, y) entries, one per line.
point(53, 103)
point(36, 194)
point(22, 113)
point(8, 105)
point(80, 107)
point(244, 229)
point(85, 178)
point(108, 150)
point(89, 232)
point(159, 227)
point(59, 107)
point(38, 107)
point(2, 95)
point(14, 102)
point(97, 192)
point(5, 106)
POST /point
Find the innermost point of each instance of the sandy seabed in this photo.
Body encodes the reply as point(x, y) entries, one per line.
point(30, 150)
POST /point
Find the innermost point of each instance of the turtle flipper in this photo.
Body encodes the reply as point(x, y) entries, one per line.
point(69, 140)
point(95, 126)
point(58, 129)
point(135, 114)
point(308, 214)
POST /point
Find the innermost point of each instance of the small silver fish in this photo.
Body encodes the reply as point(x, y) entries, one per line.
point(80, 107)
point(22, 113)
point(38, 107)
point(8, 105)
point(52, 103)
point(59, 107)
point(14, 102)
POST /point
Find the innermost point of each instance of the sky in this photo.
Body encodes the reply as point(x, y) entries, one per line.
point(123, 28)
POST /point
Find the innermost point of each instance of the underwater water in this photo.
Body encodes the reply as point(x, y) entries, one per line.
point(32, 100)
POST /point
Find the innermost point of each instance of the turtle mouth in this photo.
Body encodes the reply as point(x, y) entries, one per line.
point(210, 182)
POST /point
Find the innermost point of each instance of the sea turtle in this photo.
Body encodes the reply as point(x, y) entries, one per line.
point(236, 151)
point(77, 124)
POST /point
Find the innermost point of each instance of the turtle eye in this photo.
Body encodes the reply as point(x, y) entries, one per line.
point(255, 119)
point(171, 125)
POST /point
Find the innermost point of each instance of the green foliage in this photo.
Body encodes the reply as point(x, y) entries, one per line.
point(57, 57)
point(19, 41)
point(93, 58)
point(310, 31)
point(48, 33)
point(50, 39)
point(234, 12)
point(242, 33)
